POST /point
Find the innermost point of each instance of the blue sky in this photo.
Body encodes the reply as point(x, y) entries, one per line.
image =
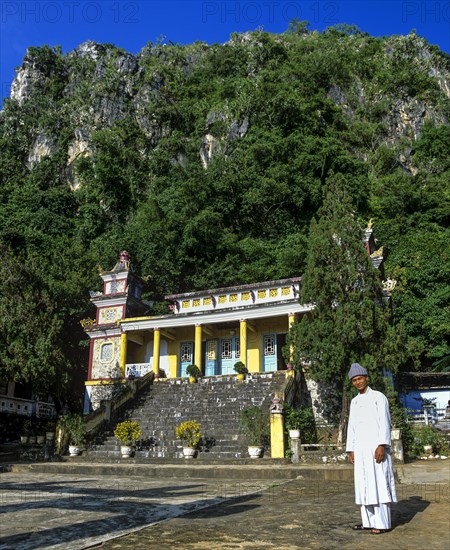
point(132, 24)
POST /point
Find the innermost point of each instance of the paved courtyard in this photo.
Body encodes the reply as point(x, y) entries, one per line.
point(66, 511)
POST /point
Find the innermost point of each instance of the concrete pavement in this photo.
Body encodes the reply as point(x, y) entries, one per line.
point(74, 511)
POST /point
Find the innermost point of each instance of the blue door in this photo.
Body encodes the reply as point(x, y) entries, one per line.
point(186, 357)
point(269, 352)
point(229, 354)
point(211, 360)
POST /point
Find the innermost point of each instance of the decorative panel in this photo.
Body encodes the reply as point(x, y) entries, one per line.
point(115, 287)
point(106, 352)
point(262, 293)
point(211, 350)
point(227, 350)
point(107, 315)
point(269, 345)
point(222, 299)
point(186, 352)
point(273, 292)
point(286, 291)
point(185, 304)
point(105, 358)
point(245, 296)
point(233, 297)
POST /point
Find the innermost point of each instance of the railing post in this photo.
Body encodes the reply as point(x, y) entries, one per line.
point(397, 445)
point(277, 442)
point(295, 449)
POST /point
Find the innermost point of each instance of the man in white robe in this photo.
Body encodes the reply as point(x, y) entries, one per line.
point(369, 448)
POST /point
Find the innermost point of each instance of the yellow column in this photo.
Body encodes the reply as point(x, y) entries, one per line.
point(156, 348)
point(123, 353)
point(243, 341)
point(277, 435)
point(198, 347)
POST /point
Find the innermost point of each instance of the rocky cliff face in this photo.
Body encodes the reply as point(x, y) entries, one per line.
point(96, 86)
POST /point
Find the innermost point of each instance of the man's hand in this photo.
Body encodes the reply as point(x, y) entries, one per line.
point(379, 454)
point(351, 457)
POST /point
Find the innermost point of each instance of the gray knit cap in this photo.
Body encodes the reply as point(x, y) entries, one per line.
point(356, 370)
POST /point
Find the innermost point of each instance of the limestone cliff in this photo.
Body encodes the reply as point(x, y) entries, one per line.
point(96, 86)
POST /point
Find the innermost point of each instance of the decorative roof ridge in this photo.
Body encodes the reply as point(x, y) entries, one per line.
point(250, 286)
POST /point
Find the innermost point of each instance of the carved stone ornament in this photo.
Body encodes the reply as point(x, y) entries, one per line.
point(86, 323)
point(377, 253)
point(389, 285)
point(276, 406)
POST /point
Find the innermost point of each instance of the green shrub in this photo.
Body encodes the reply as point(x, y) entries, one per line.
point(75, 428)
point(128, 432)
point(302, 419)
point(427, 435)
point(240, 368)
point(189, 432)
point(194, 371)
point(255, 425)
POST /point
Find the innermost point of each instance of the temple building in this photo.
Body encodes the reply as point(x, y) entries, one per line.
point(212, 329)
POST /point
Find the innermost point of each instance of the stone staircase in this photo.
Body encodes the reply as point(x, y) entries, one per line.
point(214, 401)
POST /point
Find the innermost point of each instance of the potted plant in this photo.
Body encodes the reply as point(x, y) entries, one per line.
point(26, 431)
point(32, 439)
point(429, 440)
point(255, 426)
point(74, 427)
point(190, 434)
point(50, 431)
point(128, 433)
point(241, 370)
point(194, 372)
point(293, 420)
point(300, 423)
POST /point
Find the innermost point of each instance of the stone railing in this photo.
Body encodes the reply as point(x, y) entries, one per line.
point(103, 414)
point(108, 408)
point(27, 407)
point(428, 415)
point(286, 397)
point(291, 386)
point(137, 370)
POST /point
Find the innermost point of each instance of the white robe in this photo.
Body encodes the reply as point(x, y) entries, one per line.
point(369, 425)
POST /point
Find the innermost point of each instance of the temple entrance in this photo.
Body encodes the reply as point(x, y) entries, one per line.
point(269, 352)
point(211, 357)
point(186, 357)
point(229, 354)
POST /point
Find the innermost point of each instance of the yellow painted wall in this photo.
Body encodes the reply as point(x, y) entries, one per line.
point(136, 353)
point(254, 341)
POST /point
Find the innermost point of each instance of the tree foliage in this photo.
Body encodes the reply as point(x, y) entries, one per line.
point(350, 319)
point(275, 115)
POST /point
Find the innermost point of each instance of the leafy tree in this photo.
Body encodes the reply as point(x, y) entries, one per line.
point(313, 103)
point(350, 319)
point(38, 342)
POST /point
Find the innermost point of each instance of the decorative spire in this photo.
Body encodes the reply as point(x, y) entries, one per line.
point(369, 225)
point(123, 264)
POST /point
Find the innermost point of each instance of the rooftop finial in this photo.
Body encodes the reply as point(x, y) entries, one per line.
point(124, 261)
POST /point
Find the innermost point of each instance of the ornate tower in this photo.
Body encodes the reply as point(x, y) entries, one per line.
point(120, 298)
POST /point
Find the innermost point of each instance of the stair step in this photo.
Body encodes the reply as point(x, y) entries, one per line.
point(215, 402)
